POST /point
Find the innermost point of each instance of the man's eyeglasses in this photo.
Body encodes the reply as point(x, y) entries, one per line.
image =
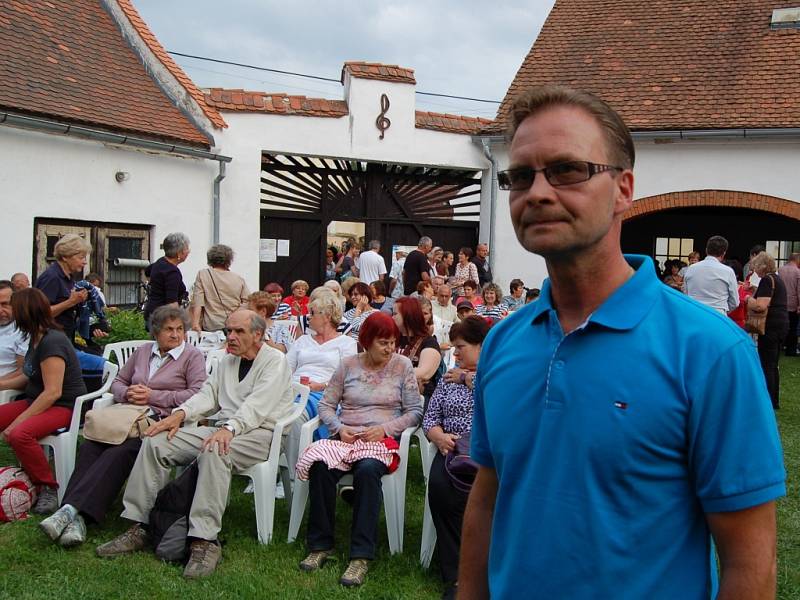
point(565, 173)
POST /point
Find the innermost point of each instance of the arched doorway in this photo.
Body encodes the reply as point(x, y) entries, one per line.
point(687, 219)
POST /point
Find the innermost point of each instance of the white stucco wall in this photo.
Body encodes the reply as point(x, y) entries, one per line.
point(59, 177)
point(757, 166)
point(353, 136)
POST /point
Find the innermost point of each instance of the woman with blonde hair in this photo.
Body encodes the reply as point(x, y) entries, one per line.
point(315, 356)
point(770, 297)
point(298, 301)
point(57, 285)
point(492, 307)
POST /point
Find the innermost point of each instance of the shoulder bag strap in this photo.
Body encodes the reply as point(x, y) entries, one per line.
point(211, 275)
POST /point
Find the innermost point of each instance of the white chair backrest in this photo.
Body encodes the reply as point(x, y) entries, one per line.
point(289, 324)
point(212, 360)
point(122, 350)
point(301, 390)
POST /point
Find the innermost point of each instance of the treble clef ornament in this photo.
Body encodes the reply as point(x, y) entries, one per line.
point(382, 123)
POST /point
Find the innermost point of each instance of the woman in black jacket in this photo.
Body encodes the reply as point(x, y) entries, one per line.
point(166, 281)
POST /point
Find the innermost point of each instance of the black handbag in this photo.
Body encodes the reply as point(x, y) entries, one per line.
point(460, 466)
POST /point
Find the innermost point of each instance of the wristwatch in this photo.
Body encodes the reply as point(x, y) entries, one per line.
point(229, 427)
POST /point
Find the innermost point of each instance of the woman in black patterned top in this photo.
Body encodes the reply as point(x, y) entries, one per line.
point(449, 417)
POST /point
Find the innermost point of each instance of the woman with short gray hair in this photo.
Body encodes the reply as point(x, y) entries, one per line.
point(218, 291)
point(166, 281)
point(160, 375)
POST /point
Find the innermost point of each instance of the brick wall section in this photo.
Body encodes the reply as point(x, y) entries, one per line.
point(734, 199)
point(379, 71)
point(282, 104)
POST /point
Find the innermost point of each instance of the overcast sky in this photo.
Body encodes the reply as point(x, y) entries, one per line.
point(460, 47)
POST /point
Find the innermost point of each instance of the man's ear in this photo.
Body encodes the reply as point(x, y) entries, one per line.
point(624, 198)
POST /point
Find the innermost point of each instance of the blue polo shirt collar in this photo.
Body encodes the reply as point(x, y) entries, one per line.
point(626, 307)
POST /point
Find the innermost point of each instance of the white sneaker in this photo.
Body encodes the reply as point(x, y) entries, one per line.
point(74, 534)
point(54, 525)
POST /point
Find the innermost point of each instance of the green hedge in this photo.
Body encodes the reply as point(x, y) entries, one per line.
point(125, 325)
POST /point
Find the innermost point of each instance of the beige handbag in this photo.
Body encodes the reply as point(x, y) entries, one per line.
point(117, 423)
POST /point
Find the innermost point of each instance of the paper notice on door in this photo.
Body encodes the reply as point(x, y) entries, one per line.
point(267, 250)
point(283, 247)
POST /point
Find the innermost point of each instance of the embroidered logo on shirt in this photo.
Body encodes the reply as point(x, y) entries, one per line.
point(621, 405)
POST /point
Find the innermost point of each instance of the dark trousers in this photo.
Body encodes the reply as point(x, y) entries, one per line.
point(769, 351)
point(367, 499)
point(791, 338)
point(447, 506)
point(100, 472)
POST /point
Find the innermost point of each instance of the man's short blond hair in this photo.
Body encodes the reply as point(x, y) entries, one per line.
point(619, 142)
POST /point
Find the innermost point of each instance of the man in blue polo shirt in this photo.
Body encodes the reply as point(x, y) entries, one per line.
point(613, 446)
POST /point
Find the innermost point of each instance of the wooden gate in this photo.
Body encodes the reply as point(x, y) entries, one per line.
point(301, 195)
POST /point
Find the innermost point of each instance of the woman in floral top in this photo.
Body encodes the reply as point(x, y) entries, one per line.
point(376, 395)
point(449, 417)
point(464, 271)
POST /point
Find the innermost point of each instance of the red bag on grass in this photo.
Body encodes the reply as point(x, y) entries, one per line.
point(17, 494)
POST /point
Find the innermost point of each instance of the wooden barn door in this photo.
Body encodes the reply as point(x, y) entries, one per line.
point(301, 195)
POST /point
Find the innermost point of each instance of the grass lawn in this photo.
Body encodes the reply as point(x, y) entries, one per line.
point(32, 567)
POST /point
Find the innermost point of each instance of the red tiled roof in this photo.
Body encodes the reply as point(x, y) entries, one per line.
point(451, 123)
point(283, 104)
point(366, 70)
point(674, 64)
point(68, 60)
point(241, 100)
point(162, 55)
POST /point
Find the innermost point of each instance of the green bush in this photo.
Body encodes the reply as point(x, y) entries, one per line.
point(125, 325)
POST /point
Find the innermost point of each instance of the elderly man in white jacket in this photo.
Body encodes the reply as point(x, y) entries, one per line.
point(247, 394)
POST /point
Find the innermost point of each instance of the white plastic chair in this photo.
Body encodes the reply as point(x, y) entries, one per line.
point(264, 475)
point(65, 445)
point(393, 484)
point(206, 341)
point(290, 324)
point(7, 396)
point(123, 350)
point(212, 360)
point(428, 529)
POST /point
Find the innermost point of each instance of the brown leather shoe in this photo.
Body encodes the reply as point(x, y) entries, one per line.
point(205, 556)
point(315, 560)
point(355, 573)
point(133, 540)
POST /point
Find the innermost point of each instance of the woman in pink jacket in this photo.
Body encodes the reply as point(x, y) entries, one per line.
point(161, 375)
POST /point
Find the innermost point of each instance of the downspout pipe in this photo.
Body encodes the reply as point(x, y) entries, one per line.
point(215, 207)
point(486, 144)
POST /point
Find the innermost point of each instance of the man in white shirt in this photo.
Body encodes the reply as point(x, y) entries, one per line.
point(13, 345)
point(371, 266)
point(443, 304)
point(710, 282)
point(241, 401)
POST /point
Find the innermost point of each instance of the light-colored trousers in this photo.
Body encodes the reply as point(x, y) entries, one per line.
point(151, 472)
